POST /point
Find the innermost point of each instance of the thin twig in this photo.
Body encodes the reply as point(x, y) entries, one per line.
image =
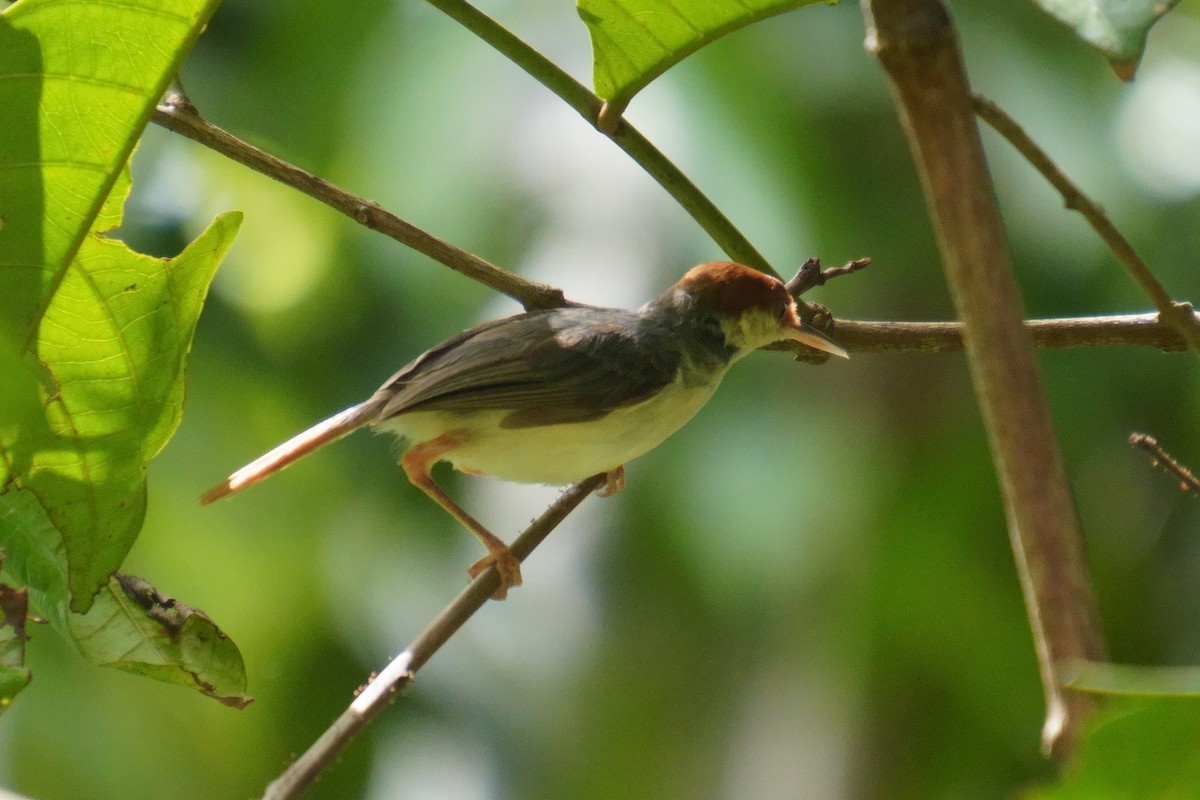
point(1161, 458)
point(1178, 315)
point(811, 274)
point(588, 106)
point(916, 42)
point(375, 696)
point(178, 114)
point(1141, 330)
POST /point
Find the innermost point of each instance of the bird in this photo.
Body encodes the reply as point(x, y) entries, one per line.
point(555, 396)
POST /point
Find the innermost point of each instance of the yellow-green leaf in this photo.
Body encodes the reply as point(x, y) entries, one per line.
point(92, 335)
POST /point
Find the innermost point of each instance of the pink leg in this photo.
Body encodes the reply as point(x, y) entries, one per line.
point(416, 463)
point(615, 482)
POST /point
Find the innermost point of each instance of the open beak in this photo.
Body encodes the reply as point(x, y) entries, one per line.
point(806, 334)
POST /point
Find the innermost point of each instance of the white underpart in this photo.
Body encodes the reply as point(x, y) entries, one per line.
point(558, 454)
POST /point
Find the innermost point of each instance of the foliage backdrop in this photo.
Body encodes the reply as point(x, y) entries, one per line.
point(806, 593)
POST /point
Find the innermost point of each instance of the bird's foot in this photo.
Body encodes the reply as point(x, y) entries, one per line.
point(507, 567)
point(614, 481)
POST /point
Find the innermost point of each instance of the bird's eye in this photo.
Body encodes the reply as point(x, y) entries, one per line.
point(782, 309)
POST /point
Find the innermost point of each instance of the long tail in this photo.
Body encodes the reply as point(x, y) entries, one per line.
point(301, 444)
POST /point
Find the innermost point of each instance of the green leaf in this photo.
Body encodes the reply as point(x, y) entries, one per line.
point(78, 82)
point(1124, 679)
point(1134, 749)
point(1117, 28)
point(133, 627)
point(92, 334)
point(110, 348)
point(34, 556)
point(635, 41)
point(130, 626)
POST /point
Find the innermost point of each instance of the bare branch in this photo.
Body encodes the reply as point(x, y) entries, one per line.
point(1178, 315)
point(1143, 330)
point(811, 274)
point(917, 45)
point(375, 696)
point(178, 114)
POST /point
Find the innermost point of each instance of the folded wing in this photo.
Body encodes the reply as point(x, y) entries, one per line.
point(571, 365)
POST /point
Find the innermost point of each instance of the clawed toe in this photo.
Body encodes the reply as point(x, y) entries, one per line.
point(507, 567)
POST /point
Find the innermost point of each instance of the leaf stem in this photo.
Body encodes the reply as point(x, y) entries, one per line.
point(615, 127)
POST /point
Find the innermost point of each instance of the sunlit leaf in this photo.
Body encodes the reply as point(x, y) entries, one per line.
point(635, 41)
point(1117, 28)
point(90, 331)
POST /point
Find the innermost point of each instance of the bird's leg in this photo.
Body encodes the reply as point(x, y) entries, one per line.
point(417, 463)
point(614, 481)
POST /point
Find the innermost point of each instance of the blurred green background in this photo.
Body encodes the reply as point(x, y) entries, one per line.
point(807, 593)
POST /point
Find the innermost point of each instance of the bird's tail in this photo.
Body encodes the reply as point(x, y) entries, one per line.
point(329, 430)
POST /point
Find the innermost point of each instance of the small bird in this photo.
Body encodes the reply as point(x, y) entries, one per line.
point(556, 396)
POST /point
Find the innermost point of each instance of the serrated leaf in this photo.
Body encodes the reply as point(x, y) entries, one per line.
point(1117, 28)
point(1135, 749)
point(135, 628)
point(635, 41)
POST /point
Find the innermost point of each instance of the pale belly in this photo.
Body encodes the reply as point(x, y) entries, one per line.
point(554, 454)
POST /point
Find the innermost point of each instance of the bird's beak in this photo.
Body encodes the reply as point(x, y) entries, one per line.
point(806, 334)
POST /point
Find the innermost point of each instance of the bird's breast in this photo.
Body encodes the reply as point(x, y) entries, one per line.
point(561, 453)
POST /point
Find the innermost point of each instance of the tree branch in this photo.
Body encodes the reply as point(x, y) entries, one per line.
point(177, 113)
point(1143, 330)
point(396, 676)
point(1178, 315)
point(588, 106)
point(917, 45)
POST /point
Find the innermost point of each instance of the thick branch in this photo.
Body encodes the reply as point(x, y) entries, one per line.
point(177, 113)
point(375, 696)
point(918, 47)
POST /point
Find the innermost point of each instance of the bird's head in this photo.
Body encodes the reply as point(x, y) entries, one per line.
point(749, 308)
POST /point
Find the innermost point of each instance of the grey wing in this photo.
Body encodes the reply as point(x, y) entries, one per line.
point(547, 367)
